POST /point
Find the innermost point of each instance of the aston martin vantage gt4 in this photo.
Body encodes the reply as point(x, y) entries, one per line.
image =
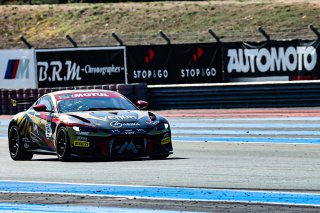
point(97, 123)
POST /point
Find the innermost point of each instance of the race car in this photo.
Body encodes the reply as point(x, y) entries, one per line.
point(95, 123)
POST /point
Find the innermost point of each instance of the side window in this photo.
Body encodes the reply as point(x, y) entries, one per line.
point(46, 100)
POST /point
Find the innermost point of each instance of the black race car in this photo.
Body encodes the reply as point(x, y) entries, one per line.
point(98, 123)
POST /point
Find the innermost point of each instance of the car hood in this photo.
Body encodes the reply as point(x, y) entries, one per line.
point(117, 119)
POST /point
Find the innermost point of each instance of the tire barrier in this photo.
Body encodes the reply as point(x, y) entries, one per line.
point(12, 95)
point(134, 92)
point(126, 90)
point(41, 92)
point(5, 102)
point(105, 87)
point(140, 91)
point(291, 94)
point(27, 93)
point(113, 87)
point(19, 95)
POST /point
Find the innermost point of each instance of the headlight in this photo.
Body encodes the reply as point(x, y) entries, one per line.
point(84, 129)
point(161, 127)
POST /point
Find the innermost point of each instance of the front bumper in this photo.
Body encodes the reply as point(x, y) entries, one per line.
point(121, 145)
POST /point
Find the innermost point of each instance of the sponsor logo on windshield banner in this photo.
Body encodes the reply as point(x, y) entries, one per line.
point(86, 95)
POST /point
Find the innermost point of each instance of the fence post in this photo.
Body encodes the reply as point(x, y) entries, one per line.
point(116, 37)
point(165, 37)
point(264, 33)
point(311, 27)
point(24, 40)
point(214, 35)
point(72, 41)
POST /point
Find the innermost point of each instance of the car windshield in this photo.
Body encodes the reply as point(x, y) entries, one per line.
point(91, 104)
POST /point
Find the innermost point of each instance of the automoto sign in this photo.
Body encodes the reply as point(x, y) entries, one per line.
point(175, 64)
point(80, 66)
point(272, 58)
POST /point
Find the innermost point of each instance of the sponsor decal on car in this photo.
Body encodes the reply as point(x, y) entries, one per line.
point(81, 143)
point(48, 130)
point(152, 122)
point(117, 124)
point(25, 140)
point(118, 117)
point(87, 95)
point(129, 132)
point(81, 138)
point(129, 146)
point(165, 141)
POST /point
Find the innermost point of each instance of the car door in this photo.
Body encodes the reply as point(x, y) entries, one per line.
point(42, 125)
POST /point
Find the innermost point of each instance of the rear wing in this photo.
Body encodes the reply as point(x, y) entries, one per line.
point(15, 102)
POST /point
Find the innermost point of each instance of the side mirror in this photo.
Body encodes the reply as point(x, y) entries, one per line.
point(142, 104)
point(40, 108)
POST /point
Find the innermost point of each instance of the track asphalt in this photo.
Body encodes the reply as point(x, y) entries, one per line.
point(306, 199)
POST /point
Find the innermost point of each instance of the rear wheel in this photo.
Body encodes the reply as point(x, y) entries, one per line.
point(16, 148)
point(63, 145)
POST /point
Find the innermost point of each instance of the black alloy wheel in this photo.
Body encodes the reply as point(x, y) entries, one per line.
point(16, 148)
point(63, 145)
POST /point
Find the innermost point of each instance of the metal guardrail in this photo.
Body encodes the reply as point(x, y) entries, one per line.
point(276, 94)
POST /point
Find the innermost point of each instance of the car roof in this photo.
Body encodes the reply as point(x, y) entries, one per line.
point(81, 91)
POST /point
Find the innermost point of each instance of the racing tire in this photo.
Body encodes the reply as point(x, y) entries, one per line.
point(16, 148)
point(159, 157)
point(63, 145)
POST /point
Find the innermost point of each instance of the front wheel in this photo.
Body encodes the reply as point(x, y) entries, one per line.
point(63, 145)
point(16, 148)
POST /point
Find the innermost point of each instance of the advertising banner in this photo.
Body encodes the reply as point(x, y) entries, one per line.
point(17, 69)
point(80, 66)
point(271, 58)
point(175, 63)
